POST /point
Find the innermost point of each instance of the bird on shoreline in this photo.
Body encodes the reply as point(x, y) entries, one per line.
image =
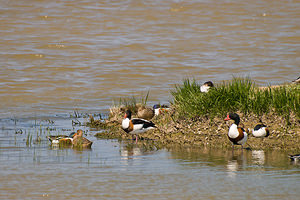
point(158, 109)
point(260, 131)
point(297, 81)
point(144, 112)
point(135, 126)
point(236, 135)
point(80, 141)
point(206, 86)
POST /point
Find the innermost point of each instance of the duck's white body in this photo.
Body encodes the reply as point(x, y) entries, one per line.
point(136, 125)
point(260, 130)
point(57, 139)
point(158, 109)
point(135, 128)
point(237, 135)
point(259, 133)
point(204, 88)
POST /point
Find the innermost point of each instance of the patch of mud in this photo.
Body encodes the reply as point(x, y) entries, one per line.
point(173, 129)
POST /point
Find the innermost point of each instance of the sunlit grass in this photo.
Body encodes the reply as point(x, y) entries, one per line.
point(239, 94)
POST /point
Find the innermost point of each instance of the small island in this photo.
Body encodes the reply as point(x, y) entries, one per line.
point(197, 118)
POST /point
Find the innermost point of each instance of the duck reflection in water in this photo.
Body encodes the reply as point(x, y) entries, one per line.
point(295, 159)
point(132, 151)
point(236, 162)
point(258, 157)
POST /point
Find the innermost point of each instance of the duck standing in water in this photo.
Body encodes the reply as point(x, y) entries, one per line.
point(260, 131)
point(206, 86)
point(79, 141)
point(136, 125)
point(236, 135)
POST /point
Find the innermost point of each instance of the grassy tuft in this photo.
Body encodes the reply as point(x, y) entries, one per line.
point(239, 94)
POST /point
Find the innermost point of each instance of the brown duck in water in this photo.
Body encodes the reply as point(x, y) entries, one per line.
point(79, 141)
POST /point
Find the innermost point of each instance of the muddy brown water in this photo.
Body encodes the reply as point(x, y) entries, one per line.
point(61, 56)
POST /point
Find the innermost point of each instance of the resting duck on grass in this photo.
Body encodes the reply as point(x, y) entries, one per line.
point(61, 139)
point(206, 86)
point(260, 131)
point(136, 125)
point(145, 112)
point(81, 142)
point(236, 135)
point(159, 109)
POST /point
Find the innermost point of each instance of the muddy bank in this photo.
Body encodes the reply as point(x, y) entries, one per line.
point(173, 129)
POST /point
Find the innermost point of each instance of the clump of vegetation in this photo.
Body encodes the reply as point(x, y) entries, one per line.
point(197, 118)
point(131, 102)
point(239, 94)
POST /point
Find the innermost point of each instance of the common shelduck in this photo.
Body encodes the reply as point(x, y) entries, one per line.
point(236, 135)
point(79, 141)
point(59, 139)
point(260, 130)
point(297, 81)
point(159, 109)
point(136, 125)
point(145, 112)
point(295, 158)
point(206, 86)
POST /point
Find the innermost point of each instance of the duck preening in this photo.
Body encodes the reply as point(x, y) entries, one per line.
point(236, 135)
point(80, 141)
point(135, 126)
point(260, 130)
point(206, 86)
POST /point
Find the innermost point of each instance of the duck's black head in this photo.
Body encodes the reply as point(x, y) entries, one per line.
point(156, 106)
point(235, 117)
point(127, 114)
point(209, 83)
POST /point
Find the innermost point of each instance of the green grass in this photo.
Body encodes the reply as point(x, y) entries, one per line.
point(239, 94)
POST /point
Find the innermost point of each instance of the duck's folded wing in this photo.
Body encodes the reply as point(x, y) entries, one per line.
point(144, 123)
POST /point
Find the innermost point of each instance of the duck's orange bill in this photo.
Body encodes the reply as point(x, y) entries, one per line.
point(226, 119)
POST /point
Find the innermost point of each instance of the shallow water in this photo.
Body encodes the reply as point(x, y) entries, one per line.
point(124, 170)
point(61, 56)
